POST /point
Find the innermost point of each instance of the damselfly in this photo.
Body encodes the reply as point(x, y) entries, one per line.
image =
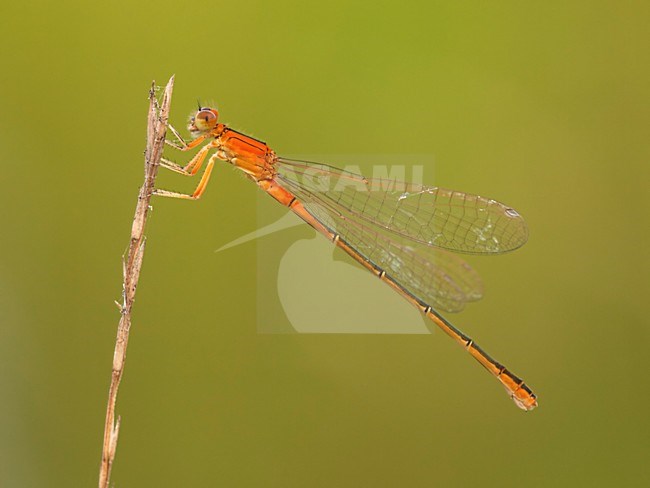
point(403, 233)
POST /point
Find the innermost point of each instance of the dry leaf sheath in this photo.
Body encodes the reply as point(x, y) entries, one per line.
point(156, 129)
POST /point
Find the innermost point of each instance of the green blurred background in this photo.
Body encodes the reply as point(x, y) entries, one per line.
point(543, 106)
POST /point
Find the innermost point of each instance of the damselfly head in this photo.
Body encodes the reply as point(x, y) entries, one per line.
point(203, 121)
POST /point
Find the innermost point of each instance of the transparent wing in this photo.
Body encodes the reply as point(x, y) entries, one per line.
point(433, 216)
point(435, 276)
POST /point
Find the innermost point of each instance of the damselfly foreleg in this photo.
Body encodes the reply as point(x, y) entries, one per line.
point(199, 189)
point(193, 167)
point(183, 146)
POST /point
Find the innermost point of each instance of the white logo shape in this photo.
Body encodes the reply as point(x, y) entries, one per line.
point(323, 295)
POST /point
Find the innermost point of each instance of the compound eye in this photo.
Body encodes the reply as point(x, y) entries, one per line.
point(208, 116)
point(206, 119)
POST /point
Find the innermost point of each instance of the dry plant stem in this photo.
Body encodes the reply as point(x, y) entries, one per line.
point(156, 128)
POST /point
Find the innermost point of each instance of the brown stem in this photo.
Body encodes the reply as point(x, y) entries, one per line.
point(156, 129)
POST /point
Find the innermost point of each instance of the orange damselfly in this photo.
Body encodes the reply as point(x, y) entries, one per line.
point(403, 234)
